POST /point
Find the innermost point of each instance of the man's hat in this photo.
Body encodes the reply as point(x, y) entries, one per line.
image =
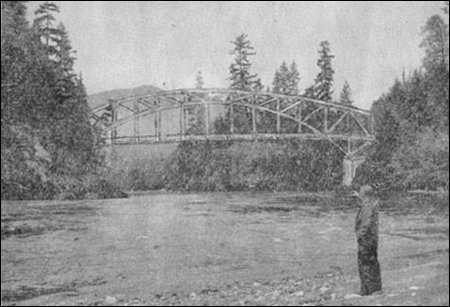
point(364, 191)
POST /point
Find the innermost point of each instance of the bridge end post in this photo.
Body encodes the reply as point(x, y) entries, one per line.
point(207, 118)
point(182, 120)
point(278, 117)
point(299, 117)
point(136, 122)
point(114, 118)
point(351, 163)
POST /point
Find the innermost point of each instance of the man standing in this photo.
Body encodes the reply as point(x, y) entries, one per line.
point(367, 236)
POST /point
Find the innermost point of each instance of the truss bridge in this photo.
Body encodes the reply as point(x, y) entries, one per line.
point(227, 114)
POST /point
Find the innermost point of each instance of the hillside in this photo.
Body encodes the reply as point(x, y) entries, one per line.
point(99, 98)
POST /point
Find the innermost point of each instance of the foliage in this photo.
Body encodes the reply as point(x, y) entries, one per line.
point(286, 80)
point(199, 80)
point(345, 97)
point(287, 165)
point(411, 123)
point(240, 75)
point(422, 162)
point(47, 138)
point(323, 83)
point(146, 173)
point(241, 79)
point(196, 114)
point(436, 64)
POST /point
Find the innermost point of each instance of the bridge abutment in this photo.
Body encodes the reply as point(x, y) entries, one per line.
point(350, 165)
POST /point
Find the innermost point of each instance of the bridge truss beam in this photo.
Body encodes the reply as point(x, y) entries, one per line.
point(291, 117)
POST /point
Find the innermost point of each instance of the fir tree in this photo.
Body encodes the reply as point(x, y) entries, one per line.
point(346, 95)
point(44, 26)
point(293, 79)
point(258, 86)
point(196, 114)
point(436, 63)
point(199, 80)
point(280, 84)
point(435, 43)
point(324, 80)
point(241, 79)
point(240, 75)
point(310, 92)
point(286, 79)
point(323, 83)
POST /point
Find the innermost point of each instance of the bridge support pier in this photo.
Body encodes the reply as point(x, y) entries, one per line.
point(351, 163)
point(136, 123)
point(114, 117)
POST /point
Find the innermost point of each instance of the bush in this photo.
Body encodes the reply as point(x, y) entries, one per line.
point(240, 166)
point(422, 162)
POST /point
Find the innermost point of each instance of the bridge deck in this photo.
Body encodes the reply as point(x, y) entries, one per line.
point(175, 138)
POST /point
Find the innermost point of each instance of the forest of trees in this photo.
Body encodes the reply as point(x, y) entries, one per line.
point(276, 165)
point(48, 145)
point(411, 129)
point(411, 150)
point(50, 149)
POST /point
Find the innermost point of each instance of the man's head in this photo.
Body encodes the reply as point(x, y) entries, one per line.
point(365, 191)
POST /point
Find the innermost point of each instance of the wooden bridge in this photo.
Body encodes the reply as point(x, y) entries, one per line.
point(227, 114)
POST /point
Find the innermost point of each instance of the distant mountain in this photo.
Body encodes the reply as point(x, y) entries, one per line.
point(102, 97)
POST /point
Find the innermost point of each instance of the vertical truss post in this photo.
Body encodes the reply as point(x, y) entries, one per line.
point(349, 147)
point(254, 115)
point(206, 106)
point(372, 123)
point(349, 128)
point(254, 120)
point(182, 119)
point(278, 116)
point(157, 120)
point(325, 121)
point(136, 121)
point(299, 116)
point(231, 118)
point(114, 117)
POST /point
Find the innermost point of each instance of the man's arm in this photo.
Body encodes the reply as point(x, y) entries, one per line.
point(364, 221)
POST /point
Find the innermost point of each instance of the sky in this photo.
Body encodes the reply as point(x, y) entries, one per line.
point(133, 43)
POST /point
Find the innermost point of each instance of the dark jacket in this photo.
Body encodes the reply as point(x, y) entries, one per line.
point(366, 226)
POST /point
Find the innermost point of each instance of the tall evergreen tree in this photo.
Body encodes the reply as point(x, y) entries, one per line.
point(345, 97)
point(196, 114)
point(436, 63)
point(240, 75)
point(280, 84)
point(258, 85)
point(241, 79)
point(44, 26)
point(286, 79)
point(293, 79)
point(324, 80)
point(413, 108)
point(310, 92)
point(435, 43)
point(199, 80)
point(323, 83)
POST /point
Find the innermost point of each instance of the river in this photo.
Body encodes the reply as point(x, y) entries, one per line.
point(183, 243)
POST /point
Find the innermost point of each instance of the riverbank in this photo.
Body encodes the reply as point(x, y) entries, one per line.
point(220, 248)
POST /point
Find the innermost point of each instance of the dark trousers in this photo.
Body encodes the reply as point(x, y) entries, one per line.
point(369, 270)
